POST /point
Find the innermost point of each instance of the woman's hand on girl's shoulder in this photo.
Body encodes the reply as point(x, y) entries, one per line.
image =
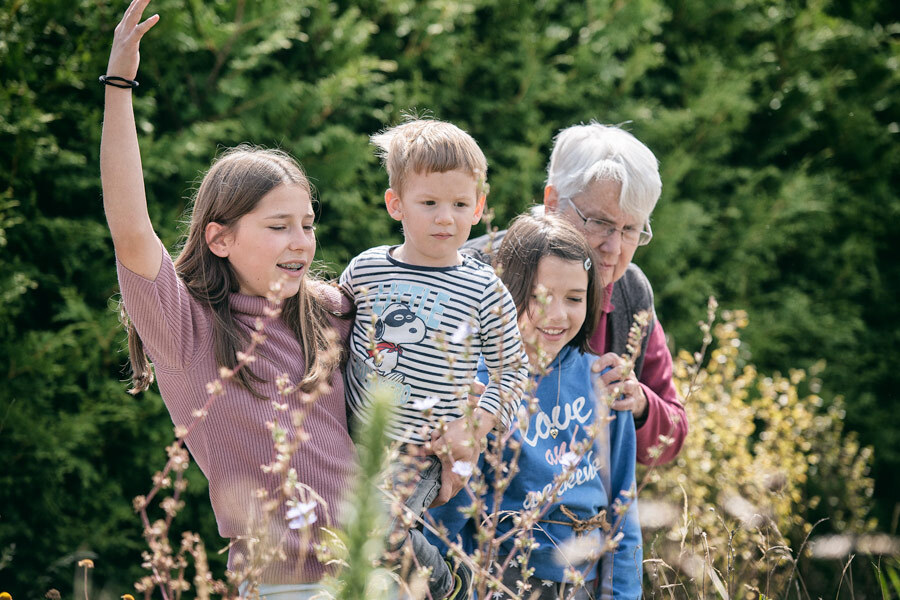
point(124, 57)
point(610, 368)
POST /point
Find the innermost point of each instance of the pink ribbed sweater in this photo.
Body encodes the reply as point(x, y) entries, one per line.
point(232, 442)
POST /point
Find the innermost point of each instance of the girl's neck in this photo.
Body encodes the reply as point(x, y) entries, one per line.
point(250, 304)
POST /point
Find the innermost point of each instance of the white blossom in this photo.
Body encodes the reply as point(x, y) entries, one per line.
point(463, 332)
point(462, 468)
point(568, 459)
point(424, 403)
point(301, 515)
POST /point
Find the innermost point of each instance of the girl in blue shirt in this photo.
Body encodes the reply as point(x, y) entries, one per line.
point(578, 473)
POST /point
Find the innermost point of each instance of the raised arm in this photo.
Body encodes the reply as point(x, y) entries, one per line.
point(124, 200)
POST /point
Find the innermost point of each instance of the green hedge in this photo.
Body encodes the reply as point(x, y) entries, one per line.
point(775, 123)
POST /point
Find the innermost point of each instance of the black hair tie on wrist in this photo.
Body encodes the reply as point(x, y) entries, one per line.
point(119, 82)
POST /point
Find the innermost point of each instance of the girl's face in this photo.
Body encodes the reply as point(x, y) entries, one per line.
point(557, 308)
point(275, 241)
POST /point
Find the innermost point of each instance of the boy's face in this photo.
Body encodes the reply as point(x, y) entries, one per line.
point(437, 211)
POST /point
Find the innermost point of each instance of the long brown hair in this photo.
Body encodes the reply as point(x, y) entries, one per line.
point(233, 186)
point(531, 238)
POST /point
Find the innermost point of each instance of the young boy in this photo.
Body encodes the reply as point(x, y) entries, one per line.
point(425, 314)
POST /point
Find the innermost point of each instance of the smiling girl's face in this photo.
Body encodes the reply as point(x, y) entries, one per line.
point(275, 241)
point(556, 310)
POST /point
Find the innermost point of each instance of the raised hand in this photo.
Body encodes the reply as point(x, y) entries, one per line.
point(125, 56)
point(124, 199)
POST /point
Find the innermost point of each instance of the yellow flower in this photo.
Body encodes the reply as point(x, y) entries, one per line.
point(86, 563)
point(5, 596)
point(127, 597)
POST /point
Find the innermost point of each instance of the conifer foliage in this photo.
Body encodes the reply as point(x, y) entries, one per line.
point(775, 123)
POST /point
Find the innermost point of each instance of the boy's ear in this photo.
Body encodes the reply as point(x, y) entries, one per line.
point(551, 198)
point(218, 239)
point(479, 208)
point(392, 202)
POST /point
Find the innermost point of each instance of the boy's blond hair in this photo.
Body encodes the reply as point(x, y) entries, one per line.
point(429, 146)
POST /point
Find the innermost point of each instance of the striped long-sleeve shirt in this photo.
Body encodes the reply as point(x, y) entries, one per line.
point(420, 330)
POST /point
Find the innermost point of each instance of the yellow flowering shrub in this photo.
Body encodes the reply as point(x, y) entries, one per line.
point(762, 462)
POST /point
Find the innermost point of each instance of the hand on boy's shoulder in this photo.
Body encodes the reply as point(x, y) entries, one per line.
point(331, 296)
point(346, 307)
point(335, 301)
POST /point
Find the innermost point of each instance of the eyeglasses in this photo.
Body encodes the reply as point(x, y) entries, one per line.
point(602, 228)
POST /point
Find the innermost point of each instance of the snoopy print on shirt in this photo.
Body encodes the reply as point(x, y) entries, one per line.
point(419, 332)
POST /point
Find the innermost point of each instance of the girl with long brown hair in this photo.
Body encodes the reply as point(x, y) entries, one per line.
point(572, 474)
point(251, 235)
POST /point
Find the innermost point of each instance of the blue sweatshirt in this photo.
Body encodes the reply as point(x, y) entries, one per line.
point(569, 380)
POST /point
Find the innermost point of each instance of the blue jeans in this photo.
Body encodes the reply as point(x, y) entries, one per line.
point(300, 591)
point(428, 483)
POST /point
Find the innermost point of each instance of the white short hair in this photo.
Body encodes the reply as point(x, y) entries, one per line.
point(586, 153)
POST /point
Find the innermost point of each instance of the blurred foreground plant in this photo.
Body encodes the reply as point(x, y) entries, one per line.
point(763, 461)
point(731, 517)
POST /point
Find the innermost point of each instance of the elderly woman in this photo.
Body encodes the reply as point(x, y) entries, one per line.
point(606, 182)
